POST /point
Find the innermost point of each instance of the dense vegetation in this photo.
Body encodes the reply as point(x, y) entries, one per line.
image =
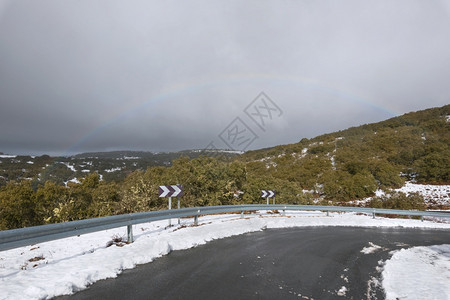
point(335, 167)
point(206, 181)
point(355, 162)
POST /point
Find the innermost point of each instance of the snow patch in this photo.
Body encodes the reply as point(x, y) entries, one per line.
point(418, 273)
point(113, 170)
point(74, 180)
point(342, 291)
point(432, 194)
point(69, 166)
point(372, 285)
point(371, 249)
point(307, 191)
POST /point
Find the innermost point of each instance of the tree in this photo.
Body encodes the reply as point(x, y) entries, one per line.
point(48, 197)
point(18, 206)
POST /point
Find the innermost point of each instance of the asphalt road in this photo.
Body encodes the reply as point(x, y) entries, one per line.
point(299, 263)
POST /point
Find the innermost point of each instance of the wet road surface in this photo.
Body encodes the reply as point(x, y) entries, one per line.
point(296, 263)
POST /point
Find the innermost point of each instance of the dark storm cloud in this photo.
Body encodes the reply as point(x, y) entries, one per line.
point(169, 75)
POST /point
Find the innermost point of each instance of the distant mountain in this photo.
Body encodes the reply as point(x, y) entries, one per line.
point(115, 154)
point(114, 165)
point(158, 156)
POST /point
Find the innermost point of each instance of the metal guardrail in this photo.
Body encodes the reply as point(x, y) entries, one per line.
point(15, 238)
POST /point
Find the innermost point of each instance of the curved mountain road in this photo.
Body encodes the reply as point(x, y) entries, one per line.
point(296, 263)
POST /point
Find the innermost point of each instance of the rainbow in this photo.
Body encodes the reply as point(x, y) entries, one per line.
point(189, 87)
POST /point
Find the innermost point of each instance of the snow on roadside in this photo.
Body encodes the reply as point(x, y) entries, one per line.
point(64, 266)
point(418, 273)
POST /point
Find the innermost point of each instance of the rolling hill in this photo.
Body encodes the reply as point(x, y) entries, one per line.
point(353, 163)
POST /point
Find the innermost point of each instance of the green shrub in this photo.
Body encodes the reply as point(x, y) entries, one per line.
point(399, 200)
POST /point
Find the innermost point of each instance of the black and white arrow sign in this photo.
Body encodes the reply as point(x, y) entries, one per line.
point(170, 190)
point(268, 193)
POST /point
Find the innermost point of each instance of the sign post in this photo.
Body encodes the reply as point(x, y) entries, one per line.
point(268, 194)
point(171, 191)
point(170, 207)
point(178, 208)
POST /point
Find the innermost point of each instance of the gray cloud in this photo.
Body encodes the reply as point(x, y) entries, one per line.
point(168, 75)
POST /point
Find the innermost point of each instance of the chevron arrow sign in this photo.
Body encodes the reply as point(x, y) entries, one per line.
point(268, 193)
point(170, 190)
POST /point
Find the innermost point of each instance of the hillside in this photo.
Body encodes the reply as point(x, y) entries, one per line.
point(353, 163)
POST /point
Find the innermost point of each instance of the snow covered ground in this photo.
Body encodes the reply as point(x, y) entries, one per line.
point(64, 266)
point(434, 195)
point(418, 273)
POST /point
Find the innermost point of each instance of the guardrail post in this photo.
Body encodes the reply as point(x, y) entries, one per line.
point(242, 214)
point(130, 233)
point(328, 213)
point(196, 219)
point(421, 218)
point(284, 211)
point(373, 215)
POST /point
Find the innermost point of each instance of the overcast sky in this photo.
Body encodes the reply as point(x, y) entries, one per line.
point(104, 75)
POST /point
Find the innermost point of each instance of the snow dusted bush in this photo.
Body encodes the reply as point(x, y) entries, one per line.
point(399, 200)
